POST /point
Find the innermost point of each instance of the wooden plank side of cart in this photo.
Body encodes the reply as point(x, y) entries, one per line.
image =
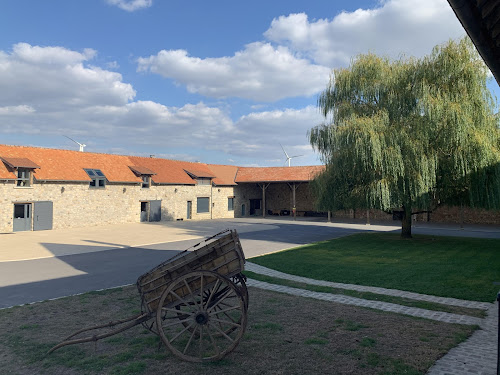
point(224, 256)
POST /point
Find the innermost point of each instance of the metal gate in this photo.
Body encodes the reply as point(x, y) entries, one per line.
point(43, 215)
point(22, 217)
point(155, 211)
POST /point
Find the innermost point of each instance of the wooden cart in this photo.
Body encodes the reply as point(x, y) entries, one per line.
point(196, 301)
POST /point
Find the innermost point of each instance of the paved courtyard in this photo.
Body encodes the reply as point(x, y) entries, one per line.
point(35, 266)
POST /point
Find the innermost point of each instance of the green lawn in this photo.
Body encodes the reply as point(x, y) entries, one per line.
point(464, 268)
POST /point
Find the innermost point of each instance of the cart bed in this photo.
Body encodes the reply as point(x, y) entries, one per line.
point(223, 255)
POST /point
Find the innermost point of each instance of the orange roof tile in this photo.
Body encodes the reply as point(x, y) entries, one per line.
point(65, 165)
point(167, 171)
point(225, 174)
point(278, 174)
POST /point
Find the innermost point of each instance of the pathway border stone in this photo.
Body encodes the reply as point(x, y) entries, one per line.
point(249, 266)
point(384, 306)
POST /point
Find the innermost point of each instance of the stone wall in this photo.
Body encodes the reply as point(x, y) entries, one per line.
point(77, 205)
point(278, 197)
point(243, 194)
point(443, 214)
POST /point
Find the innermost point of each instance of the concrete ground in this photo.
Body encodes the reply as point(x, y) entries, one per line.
point(20, 246)
point(41, 265)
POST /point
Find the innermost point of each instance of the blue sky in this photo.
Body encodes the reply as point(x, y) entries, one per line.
point(220, 82)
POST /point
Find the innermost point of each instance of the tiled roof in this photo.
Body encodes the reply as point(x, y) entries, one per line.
point(167, 171)
point(278, 174)
point(225, 174)
point(65, 165)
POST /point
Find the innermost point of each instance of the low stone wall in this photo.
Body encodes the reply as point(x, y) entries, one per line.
point(443, 214)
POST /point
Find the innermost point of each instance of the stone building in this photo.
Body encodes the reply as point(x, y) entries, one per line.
point(44, 188)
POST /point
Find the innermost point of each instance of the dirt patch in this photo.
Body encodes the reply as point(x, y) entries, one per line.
point(285, 335)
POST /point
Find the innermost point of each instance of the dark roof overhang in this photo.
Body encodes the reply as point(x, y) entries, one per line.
point(20, 163)
point(139, 170)
point(480, 19)
point(199, 174)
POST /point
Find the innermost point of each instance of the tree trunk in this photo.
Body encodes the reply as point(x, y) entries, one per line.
point(406, 222)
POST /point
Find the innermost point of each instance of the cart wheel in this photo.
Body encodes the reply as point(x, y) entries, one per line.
point(238, 280)
point(199, 329)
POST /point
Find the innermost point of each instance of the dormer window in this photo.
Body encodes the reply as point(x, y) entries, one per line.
point(145, 175)
point(98, 180)
point(201, 177)
point(203, 181)
point(24, 177)
point(23, 169)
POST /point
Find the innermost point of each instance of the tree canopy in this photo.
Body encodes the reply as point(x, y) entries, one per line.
point(409, 134)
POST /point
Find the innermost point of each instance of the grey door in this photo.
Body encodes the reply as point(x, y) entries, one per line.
point(43, 214)
point(144, 211)
point(243, 211)
point(22, 217)
point(189, 209)
point(154, 210)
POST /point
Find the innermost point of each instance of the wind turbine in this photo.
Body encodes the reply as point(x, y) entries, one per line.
point(82, 146)
point(288, 158)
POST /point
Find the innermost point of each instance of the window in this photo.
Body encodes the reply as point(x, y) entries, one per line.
point(230, 204)
point(23, 177)
point(146, 181)
point(203, 205)
point(98, 178)
point(203, 181)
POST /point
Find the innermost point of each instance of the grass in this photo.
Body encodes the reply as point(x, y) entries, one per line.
point(464, 268)
point(370, 296)
point(300, 336)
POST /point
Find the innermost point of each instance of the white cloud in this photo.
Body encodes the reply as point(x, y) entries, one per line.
point(56, 78)
point(261, 133)
point(50, 91)
point(260, 72)
point(299, 53)
point(395, 27)
point(131, 5)
point(16, 110)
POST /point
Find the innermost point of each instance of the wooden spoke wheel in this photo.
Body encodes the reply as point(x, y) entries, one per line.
point(238, 280)
point(201, 316)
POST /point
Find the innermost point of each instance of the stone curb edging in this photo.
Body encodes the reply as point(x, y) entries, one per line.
point(361, 288)
point(384, 306)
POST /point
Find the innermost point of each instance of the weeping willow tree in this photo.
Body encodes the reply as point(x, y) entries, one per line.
point(409, 135)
